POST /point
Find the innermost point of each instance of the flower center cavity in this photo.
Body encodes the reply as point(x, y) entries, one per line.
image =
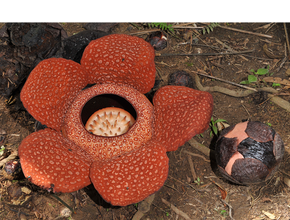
point(108, 115)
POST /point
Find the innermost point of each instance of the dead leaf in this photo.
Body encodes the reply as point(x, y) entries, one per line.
point(269, 215)
point(265, 199)
point(264, 26)
point(277, 80)
point(224, 193)
point(26, 190)
point(222, 125)
point(286, 181)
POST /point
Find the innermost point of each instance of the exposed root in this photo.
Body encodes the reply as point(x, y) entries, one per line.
point(243, 93)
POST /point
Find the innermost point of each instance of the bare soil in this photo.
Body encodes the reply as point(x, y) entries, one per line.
point(198, 199)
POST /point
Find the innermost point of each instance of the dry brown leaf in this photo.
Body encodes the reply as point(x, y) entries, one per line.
point(269, 215)
point(265, 199)
point(224, 193)
point(277, 80)
point(286, 181)
point(222, 125)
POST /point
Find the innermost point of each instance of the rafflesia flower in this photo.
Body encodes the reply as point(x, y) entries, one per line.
point(109, 134)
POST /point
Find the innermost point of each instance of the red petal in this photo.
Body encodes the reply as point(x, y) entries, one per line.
point(180, 113)
point(48, 159)
point(50, 88)
point(120, 59)
point(132, 177)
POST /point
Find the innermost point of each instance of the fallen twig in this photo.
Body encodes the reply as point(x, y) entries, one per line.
point(196, 155)
point(184, 183)
point(144, 32)
point(247, 32)
point(281, 64)
point(203, 54)
point(176, 210)
point(232, 50)
point(230, 208)
point(226, 81)
point(143, 207)
point(287, 38)
point(193, 173)
point(199, 147)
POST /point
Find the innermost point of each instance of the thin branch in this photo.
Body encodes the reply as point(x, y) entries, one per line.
point(247, 32)
point(193, 173)
point(199, 147)
point(203, 54)
point(226, 81)
point(196, 155)
point(144, 32)
point(287, 39)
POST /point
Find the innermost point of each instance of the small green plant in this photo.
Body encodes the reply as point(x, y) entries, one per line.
point(199, 135)
point(136, 205)
point(223, 213)
point(189, 64)
point(162, 26)
point(269, 124)
point(276, 84)
point(261, 71)
point(214, 129)
point(198, 181)
point(2, 150)
point(253, 78)
point(51, 205)
point(209, 28)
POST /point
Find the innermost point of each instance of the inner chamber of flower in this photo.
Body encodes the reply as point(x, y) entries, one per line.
point(108, 115)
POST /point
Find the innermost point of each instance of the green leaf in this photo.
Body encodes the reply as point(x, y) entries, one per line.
point(262, 71)
point(215, 130)
point(275, 84)
point(170, 28)
point(220, 120)
point(252, 70)
point(252, 78)
point(208, 30)
point(245, 82)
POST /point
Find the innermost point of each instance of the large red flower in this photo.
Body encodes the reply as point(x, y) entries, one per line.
point(125, 167)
